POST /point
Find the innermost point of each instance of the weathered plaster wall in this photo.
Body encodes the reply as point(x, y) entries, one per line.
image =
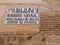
point(49, 26)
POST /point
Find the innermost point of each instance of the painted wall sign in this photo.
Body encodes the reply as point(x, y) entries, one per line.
point(21, 16)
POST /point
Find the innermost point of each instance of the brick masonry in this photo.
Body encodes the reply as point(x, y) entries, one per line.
point(49, 28)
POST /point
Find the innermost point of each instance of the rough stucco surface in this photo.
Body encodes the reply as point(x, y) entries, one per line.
point(49, 27)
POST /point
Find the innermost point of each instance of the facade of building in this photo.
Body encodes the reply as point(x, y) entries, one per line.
point(29, 22)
